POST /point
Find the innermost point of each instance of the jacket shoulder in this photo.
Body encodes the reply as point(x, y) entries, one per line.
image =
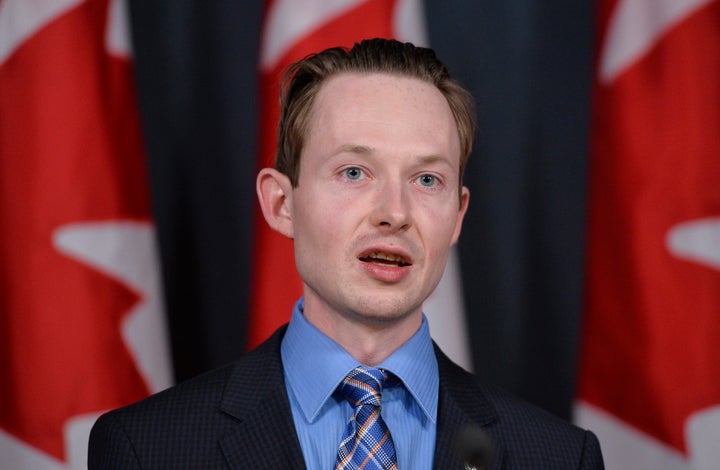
point(180, 427)
point(521, 434)
point(164, 429)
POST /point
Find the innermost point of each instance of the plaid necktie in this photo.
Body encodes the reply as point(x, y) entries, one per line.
point(367, 443)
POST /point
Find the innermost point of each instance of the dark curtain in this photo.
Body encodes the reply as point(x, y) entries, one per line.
point(528, 64)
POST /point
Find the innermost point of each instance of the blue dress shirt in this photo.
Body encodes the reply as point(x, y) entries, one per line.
point(315, 365)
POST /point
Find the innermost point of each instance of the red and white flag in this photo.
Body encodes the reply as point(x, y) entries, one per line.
point(649, 381)
point(81, 327)
point(291, 31)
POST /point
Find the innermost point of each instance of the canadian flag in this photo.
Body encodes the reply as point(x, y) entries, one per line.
point(649, 381)
point(81, 327)
point(291, 31)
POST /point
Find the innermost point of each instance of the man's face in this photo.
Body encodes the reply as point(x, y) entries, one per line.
point(376, 207)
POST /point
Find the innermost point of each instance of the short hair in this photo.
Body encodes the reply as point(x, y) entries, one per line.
point(304, 78)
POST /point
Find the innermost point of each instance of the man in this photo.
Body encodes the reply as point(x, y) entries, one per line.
point(368, 183)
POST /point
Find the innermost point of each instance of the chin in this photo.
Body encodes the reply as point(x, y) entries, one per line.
point(383, 313)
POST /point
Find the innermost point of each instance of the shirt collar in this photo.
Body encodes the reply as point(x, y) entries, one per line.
point(315, 365)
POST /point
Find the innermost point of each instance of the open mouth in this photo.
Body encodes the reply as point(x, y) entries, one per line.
point(386, 259)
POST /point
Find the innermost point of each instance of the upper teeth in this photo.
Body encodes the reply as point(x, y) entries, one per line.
point(387, 257)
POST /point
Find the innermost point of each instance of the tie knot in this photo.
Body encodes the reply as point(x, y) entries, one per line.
point(363, 386)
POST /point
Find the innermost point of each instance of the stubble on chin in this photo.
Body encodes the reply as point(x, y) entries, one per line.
point(382, 313)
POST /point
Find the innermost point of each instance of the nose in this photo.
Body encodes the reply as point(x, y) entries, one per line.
point(391, 210)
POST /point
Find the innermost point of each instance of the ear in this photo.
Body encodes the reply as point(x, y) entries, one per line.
point(275, 195)
point(464, 201)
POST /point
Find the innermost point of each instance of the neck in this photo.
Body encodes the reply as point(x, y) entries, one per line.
point(370, 342)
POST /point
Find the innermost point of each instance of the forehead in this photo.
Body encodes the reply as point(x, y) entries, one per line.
point(385, 109)
point(377, 90)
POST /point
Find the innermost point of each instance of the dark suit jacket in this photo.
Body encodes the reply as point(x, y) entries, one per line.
point(239, 417)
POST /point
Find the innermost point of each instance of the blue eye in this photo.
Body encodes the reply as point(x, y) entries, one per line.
point(427, 180)
point(353, 173)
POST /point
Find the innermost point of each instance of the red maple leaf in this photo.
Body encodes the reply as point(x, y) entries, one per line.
point(650, 351)
point(70, 151)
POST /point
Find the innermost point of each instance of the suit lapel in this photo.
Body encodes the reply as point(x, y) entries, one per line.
point(462, 404)
point(255, 395)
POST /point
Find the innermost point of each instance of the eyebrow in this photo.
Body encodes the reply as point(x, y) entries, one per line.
point(354, 148)
point(434, 159)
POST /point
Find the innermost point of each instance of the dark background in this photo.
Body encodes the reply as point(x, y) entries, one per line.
point(527, 62)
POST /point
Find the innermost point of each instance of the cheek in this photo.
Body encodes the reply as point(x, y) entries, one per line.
point(439, 223)
point(318, 222)
point(320, 244)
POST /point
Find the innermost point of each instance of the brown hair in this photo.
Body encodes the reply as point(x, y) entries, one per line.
point(304, 78)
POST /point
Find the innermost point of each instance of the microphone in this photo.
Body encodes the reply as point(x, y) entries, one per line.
point(474, 447)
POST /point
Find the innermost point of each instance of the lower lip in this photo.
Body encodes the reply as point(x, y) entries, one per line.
point(386, 273)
